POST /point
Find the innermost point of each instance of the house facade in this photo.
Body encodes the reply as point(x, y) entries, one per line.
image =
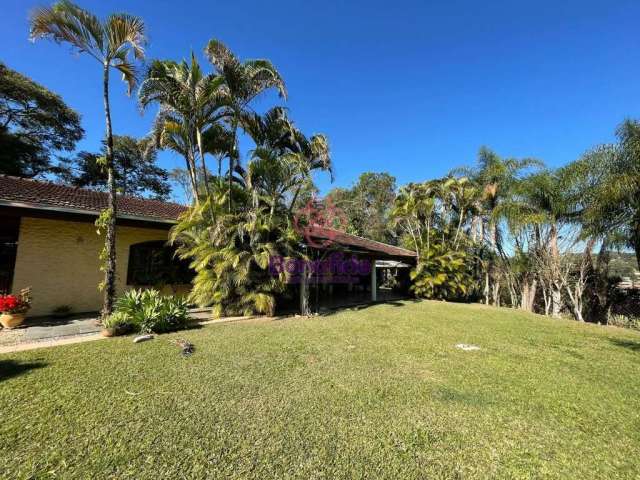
point(48, 241)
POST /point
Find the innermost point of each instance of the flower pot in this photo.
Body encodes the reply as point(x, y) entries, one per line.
point(11, 320)
point(108, 332)
point(116, 331)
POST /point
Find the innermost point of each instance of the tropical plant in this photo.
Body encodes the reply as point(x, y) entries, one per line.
point(242, 82)
point(610, 176)
point(496, 178)
point(230, 250)
point(148, 311)
point(436, 218)
point(111, 43)
point(442, 273)
point(230, 256)
point(544, 200)
point(192, 104)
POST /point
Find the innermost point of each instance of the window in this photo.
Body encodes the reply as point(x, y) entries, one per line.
point(154, 263)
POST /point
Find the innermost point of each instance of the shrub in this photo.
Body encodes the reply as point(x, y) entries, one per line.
point(116, 320)
point(149, 312)
point(442, 273)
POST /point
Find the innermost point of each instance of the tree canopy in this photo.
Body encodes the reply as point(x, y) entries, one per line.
point(367, 205)
point(135, 169)
point(35, 123)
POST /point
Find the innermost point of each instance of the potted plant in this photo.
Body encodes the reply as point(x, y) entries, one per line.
point(14, 307)
point(116, 324)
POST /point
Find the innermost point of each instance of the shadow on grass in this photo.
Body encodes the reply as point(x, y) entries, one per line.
point(12, 368)
point(399, 302)
point(630, 344)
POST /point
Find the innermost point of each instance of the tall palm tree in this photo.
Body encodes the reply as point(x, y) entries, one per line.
point(192, 100)
point(546, 201)
point(242, 82)
point(111, 42)
point(496, 177)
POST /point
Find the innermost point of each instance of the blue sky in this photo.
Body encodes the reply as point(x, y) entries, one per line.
point(409, 87)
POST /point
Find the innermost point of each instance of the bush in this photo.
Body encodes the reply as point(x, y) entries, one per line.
point(442, 273)
point(147, 311)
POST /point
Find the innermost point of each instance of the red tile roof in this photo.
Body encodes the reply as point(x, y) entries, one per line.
point(330, 235)
point(44, 195)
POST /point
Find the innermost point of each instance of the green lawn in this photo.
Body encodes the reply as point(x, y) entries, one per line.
point(380, 392)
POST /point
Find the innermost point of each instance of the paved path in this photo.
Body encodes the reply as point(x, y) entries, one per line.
point(40, 329)
point(49, 332)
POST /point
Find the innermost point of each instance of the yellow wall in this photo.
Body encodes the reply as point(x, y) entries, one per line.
point(59, 261)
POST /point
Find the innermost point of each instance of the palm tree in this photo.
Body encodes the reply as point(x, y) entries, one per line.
point(192, 103)
point(277, 137)
point(496, 177)
point(612, 177)
point(230, 250)
point(111, 43)
point(242, 83)
point(545, 201)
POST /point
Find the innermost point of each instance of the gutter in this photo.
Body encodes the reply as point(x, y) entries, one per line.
point(31, 206)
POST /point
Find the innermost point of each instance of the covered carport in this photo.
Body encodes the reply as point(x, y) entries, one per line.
point(369, 266)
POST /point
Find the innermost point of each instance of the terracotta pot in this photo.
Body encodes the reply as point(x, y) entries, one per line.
point(11, 320)
point(108, 332)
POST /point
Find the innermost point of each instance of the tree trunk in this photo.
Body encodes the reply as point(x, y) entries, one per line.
point(495, 291)
point(528, 295)
point(486, 287)
point(636, 238)
point(233, 152)
point(475, 229)
point(205, 175)
point(192, 178)
point(493, 274)
point(110, 237)
point(556, 292)
point(304, 293)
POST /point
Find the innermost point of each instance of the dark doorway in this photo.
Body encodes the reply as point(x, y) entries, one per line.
point(9, 232)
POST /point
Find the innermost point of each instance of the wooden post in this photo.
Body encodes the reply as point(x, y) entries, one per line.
point(304, 294)
point(374, 286)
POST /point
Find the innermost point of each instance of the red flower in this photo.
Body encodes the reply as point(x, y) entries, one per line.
point(13, 303)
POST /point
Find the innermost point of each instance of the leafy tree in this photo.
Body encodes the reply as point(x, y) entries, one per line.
point(135, 170)
point(111, 43)
point(281, 146)
point(34, 123)
point(368, 205)
point(180, 177)
point(443, 273)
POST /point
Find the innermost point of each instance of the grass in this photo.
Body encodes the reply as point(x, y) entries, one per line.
point(376, 393)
